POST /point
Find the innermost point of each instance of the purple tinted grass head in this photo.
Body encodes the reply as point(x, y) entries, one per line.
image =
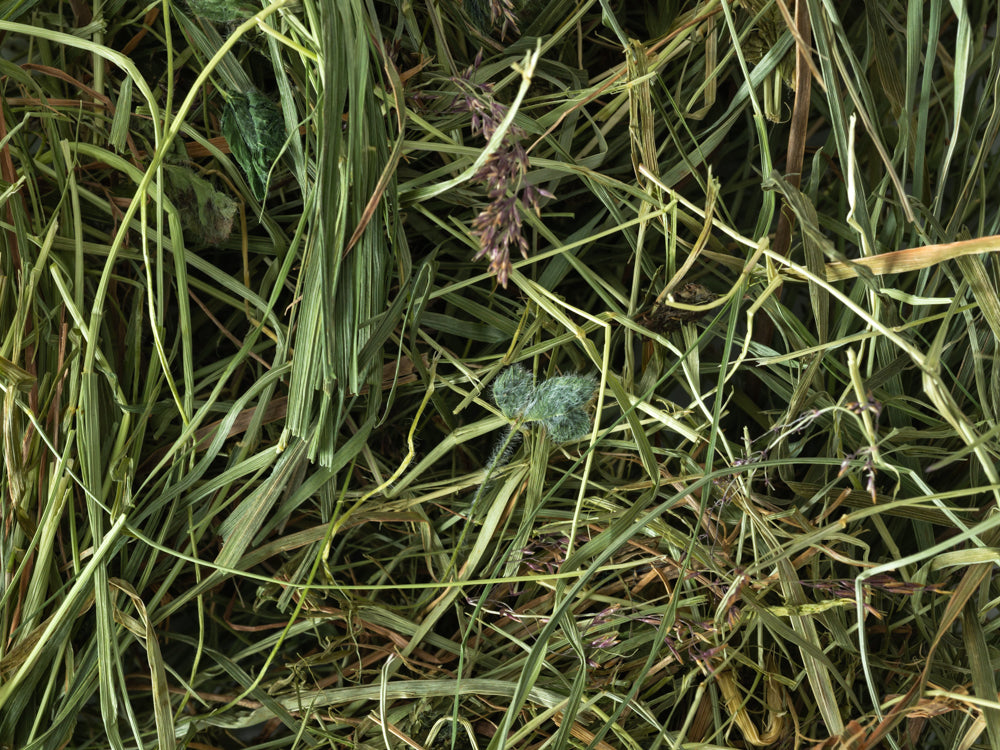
point(487, 15)
point(499, 225)
point(503, 10)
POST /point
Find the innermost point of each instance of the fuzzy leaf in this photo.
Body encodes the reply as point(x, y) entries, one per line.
point(560, 395)
point(567, 427)
point(558, 403)
point(513, 391)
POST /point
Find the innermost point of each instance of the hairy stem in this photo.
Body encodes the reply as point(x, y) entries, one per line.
point(502, 452)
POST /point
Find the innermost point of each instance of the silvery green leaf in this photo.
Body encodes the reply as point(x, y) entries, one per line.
point(567, 427)
point(513, 391)
point(560, 395)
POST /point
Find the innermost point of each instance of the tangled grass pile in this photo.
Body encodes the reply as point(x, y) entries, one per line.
point(499, 374)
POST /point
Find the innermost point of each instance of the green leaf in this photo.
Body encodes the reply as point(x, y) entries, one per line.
point(255, 130)
point(514, 391)
point(558, 403)
point(206, 214)
point(559, 396)
point(565, 428)
point(220, 11)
